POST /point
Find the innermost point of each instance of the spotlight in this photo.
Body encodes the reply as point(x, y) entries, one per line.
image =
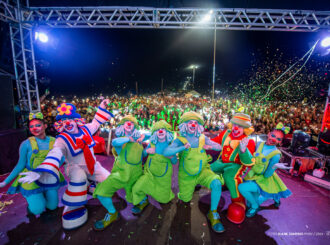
point(42, 37)
point(325, 42)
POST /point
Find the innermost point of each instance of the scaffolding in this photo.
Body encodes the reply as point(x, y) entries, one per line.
point(22, 20)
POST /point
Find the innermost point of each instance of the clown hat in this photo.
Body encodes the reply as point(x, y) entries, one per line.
point(242, 120)
point(191, 115)
point(66, 111)
point(129, 118)
point(159, 125)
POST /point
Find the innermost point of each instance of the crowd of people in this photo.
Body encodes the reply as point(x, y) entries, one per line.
point(152, 108)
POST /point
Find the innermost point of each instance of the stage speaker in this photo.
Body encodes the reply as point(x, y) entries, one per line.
point(300, 142)
point(323, 143)
point(7, 114)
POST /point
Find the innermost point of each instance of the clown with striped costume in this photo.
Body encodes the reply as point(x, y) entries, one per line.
point(75, 143)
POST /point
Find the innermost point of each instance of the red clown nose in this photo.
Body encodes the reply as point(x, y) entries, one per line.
point(128, 124)
point(67, 123)
point(193, 125)
point(235, 128)
point(161, 131)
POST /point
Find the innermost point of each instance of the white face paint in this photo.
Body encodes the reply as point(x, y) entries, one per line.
point(128, 127)
point(237, 130)
point(161, 134)
point(192, 126)
point(70, 126)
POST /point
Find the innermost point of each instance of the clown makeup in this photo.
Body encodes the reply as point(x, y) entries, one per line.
point(128, 127)
point(70, 126)
point(275, 137)
point(37, 128)
point(192, 126)
point(237, 130)
point(161, 134)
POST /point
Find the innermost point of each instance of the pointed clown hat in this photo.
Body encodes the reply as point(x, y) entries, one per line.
point(67, 111)
point(191, 115)
point(159, 125)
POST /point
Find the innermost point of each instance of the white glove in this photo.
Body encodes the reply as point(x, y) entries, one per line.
point(2, 184)
point(29, 177)
point(104, 103)
point(281, 166)
point(243, 144)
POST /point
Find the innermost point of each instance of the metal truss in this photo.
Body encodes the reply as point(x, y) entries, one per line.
point(21, 37)
point(22, 20)
point(139, 17)
point(8, 12)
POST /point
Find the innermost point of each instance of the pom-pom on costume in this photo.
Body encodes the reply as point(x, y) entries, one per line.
point(126, 170)
point(194, 168)
point(75, 143)
point(235, 158)
point(157, 178)
point(32, 153)
point(262, 182)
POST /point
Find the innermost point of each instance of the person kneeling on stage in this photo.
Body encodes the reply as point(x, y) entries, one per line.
point(157, 178)
point(262, 182)
point(32, 153)
point(194, 168)
point(126, 170)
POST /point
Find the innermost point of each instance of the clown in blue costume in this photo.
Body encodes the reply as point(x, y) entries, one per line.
point(157, 178)
point(194, 168)
point(262, 182)
point(75, 143)
point(32, 153)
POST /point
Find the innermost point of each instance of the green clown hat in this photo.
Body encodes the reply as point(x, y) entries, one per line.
point(129, 118)
point(161, 124)
point(191, 115)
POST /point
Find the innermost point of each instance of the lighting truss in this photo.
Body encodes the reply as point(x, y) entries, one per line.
point(23, 19)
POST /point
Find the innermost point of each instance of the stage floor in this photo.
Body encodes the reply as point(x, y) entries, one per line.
point(303, 218)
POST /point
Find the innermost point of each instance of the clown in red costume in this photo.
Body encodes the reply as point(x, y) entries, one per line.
point(235, 158)
point(75, 143)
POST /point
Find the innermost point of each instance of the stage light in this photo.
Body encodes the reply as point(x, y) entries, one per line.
point(42, 37)
point(325, 42)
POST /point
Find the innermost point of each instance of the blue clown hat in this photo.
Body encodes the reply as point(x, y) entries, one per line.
point(67, 111)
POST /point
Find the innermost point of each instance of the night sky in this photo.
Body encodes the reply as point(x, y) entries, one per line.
point(88, 61)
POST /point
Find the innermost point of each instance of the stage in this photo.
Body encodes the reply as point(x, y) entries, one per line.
point(303, 218)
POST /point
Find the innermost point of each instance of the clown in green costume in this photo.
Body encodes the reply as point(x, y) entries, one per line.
point(262, 182)
point(32, 153)
point(194, 168)
point(126, 170)
point(157, 178)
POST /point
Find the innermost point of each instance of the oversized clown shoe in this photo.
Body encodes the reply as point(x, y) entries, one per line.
point(235, 158)
point(32, 153)
point(156, 180)
point(75, 143)
point(194, 168)
point(262, 182)
point(126, 170)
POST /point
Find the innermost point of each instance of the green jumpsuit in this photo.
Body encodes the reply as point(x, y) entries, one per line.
point(194, 169)
point(156, 180)
point(126, 171)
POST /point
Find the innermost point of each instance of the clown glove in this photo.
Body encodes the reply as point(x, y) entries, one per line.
point(139, 140)
point(29, 177)
point(281, 166)
point(243, 144)
point(151, 150)
point(104, 103)
point(187, 145)
point(2, 184)
point(207, 147)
